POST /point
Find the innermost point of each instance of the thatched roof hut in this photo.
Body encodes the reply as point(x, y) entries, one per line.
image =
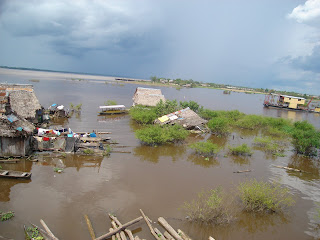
point(147, 96)
point(13, 126)
point(24, 103)
point(185, 117)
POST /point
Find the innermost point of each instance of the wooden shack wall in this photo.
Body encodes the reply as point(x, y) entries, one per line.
point(14, 146)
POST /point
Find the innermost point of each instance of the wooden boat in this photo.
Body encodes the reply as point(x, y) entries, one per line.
point(14, 174)
point(112, 109)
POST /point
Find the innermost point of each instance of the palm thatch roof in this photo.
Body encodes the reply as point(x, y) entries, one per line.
point(17, 128)
point(185, 117)
point(24, 103)
point(147, 96)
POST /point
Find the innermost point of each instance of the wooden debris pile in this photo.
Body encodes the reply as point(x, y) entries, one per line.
point(119, 231)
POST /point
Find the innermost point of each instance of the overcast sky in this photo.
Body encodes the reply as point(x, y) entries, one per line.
point(264, 43)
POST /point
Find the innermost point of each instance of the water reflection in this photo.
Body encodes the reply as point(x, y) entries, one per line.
point(202, 161)
point(260, 222)
point(240, 160)
point(309, 166)
point(107, 118)
point(152, 154)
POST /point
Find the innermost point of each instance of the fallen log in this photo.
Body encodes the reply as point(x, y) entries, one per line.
point(93, 236)
point(242, 171)
point(170, 229)
point(48, 230)
point(114, 225)
point(288, 168)
point(124, 226)
point(149, 225)
point(168, 236)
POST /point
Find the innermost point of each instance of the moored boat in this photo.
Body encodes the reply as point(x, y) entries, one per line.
point(112, 109)
point(15, 174)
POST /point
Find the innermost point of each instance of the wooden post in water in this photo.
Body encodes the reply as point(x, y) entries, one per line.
point(93, 236)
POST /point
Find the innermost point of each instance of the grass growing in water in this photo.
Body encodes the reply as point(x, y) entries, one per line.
point(88, 151)
point(58, 170)
point(143, 115)
point(206, 149)
point(156, 135)
point(258, 196)
point(107, 150)
point(243, 150)
point(6, 215)
point(269, 145)
point(34, 233)
point(209, 207)
point(219, 126)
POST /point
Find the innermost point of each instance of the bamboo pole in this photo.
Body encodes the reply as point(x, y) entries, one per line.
point(128, 232)
point(170, 229)
point(113, 236)
point(160, 235)
point(149, 225)
point(168, 236)
point(48, 230)
point(114, 225)
point(124, 226)
point(183, 235)
point(93, 236)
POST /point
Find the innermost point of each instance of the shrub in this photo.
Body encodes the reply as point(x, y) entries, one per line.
point(163, 108)
point(210, 207)
point(219, 126)
point(207, 114)
point(205, 148)
point(143, 115)
point(191, 104)
point(243, 149)
point(263, 196)
point(269, 145)
point(156, 135)
point(250, 122)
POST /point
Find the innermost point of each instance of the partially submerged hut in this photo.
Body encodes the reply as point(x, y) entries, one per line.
point(147, 96)
point(185, 117)
point(15, 136)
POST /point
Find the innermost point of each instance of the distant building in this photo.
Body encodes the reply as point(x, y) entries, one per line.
point(147, 96)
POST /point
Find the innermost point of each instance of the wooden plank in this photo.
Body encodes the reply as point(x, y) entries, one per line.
point(48, 230)
point(93, 236)
point(124, 226)
point(170, 229)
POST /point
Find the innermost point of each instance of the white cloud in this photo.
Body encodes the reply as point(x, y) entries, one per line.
point(308, 13)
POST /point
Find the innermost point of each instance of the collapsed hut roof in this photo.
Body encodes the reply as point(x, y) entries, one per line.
point(24, 103)
point(13, 126)
point(185, 117)
point(147, 96)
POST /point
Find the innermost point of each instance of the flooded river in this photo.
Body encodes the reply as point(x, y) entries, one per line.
point(156, 179)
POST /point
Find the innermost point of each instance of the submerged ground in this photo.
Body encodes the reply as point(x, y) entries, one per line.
point(157, 179)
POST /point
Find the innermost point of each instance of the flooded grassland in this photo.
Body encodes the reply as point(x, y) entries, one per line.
point(156, 179)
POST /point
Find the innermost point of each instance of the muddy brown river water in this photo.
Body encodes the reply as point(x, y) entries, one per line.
point(156, 179)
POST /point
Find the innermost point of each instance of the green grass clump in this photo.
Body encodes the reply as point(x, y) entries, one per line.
point(88, 151)
point(206, 149)
point(6, 215)
point(58, 170)
point(269, 145)
point(243, 150)
point(110, 102)
point(219, 126)
point(258, 196)
point(250, 122)
point(143, 115)
point(107, 150)
point(157, 135)
point(35, 234)
point(305, 138)
point(209, 207)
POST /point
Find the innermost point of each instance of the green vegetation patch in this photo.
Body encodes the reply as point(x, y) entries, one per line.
point(6, 215)
point(34, 232)
point(206, 149)
point(143, 115)
point(209, 207)
point(269, 145)
point(88, 151)
point(258, 196)
point(157, 135)
point(219, 126)
point(243, 150)
point(110, 102)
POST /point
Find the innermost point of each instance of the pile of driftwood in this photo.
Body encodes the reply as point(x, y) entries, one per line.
point(119, 231)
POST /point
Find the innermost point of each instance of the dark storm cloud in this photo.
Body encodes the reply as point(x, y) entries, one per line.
point(310, 62)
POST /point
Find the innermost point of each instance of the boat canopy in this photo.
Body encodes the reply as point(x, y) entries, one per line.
point(112, 107)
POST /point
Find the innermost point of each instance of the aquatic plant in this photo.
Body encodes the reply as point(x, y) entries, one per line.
point(243, 150)
point(269, 145)
point(110, 102)
point(76, 108)
point(166, 107)
point(205, 148)
point(211, 206)
point(156, 135)
point(88, 151)
point(305, 138)
point(219, 126)
point(194, 106)
point(143, 115)
point(58, 170)
point(259, 196)
point(107, 150)
point(6, 215)
point(35, 234)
